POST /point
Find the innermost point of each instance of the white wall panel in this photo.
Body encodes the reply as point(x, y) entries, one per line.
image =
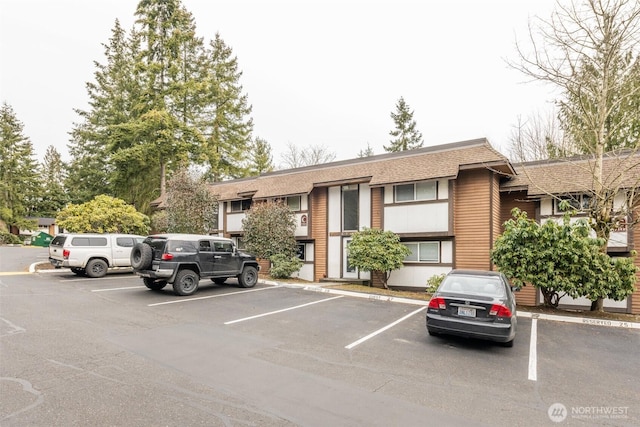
point(429, 217)
point(415, 276)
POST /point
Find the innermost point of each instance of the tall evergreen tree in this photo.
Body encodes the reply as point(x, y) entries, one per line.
point(405, 135)
point(54, 197)
point(260, 157)
point(226, 123)
point(367, 152)
point(114, 98)
point(19, 187)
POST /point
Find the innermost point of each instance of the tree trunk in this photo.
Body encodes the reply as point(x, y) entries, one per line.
point(597, 305)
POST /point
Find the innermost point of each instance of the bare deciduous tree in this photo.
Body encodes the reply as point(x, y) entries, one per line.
point(296, 157)
point(588, 50)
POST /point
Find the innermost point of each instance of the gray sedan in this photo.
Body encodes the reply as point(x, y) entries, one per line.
point(475, 304)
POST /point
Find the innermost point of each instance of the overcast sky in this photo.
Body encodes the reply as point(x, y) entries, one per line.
point(316, 72)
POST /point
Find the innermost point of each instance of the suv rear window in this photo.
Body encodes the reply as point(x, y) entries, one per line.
point(58, 241)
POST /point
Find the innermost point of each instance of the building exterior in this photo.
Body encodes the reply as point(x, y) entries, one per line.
point(447, 203)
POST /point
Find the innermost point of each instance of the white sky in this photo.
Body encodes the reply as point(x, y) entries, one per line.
point(316, 72)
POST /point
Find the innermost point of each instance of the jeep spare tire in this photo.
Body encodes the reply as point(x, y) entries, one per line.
point(141, 256)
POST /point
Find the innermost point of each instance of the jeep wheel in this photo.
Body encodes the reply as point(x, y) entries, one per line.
point(154, 285)
point(141, 256)
point(219, 280)
point(96, 268)
point(186, 282)
point(249, 277)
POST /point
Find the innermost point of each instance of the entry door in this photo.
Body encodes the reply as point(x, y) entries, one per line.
point(348, 271)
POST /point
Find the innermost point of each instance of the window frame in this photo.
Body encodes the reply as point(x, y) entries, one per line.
point(433, 193)
point(418, 252)
point(298, 198)
point(579, 202)
point(245, 205)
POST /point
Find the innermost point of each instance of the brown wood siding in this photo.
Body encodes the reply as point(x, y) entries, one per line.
point(528, 295)
point(472, 219)
point(377, 221)
point(516, 199)
point(319, 200)
point(634, 307)
point(495, 208)
point(377, 206)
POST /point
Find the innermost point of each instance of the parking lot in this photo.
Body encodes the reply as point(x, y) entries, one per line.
point(79, 351)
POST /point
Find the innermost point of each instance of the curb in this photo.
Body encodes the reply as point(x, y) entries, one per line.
point(524, 314)
point(581, 320)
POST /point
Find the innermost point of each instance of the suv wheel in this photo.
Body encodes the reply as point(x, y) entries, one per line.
point(154, 285)
point(96, 268)
point(141, 256)
point(249, 277)
point(186, 282)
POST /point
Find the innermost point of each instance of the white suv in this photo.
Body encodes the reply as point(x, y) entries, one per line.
point(92, 254)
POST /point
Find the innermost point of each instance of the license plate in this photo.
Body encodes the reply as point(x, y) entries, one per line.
point(466, 312)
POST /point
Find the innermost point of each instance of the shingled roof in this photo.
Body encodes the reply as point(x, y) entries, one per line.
point(574, 175)
point(442, 161)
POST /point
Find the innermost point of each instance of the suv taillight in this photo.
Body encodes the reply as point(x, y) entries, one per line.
point(437, 303)
point(65, 253)
point(500, 310)
point(167, 257)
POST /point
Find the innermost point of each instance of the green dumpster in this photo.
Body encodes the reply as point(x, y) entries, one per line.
point(41, 239)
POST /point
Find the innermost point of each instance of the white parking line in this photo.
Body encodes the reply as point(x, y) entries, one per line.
point(280, 311)
point(533, 351)
point(207, 297)
point(373, 334)
point(95, 280)
point(117, 289)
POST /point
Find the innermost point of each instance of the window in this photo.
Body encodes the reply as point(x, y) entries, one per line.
point(89, 241)
point(240, 205)
point(205, 246)
point(301, 252)
point(423, 252)
point(579, 202)
point(125, 242)
point(223, 247)
point(294, 203)
point(239, 242)
point(424, 190)
point(350, 207)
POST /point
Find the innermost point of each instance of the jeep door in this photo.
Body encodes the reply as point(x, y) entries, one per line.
point(205, 257)
point(226, 259)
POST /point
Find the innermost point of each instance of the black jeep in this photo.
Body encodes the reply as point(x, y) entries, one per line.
point(183, 259)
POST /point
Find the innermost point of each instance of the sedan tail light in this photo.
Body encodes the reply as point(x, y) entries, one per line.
point(66, 253)
point(500, 310)
point(167, 257)
point(437, 303)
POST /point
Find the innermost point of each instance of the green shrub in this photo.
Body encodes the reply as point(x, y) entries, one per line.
point(433, 282)
point(283, 266)
point(9, 239)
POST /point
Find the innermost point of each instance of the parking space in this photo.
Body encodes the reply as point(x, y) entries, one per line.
point(276, 345)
